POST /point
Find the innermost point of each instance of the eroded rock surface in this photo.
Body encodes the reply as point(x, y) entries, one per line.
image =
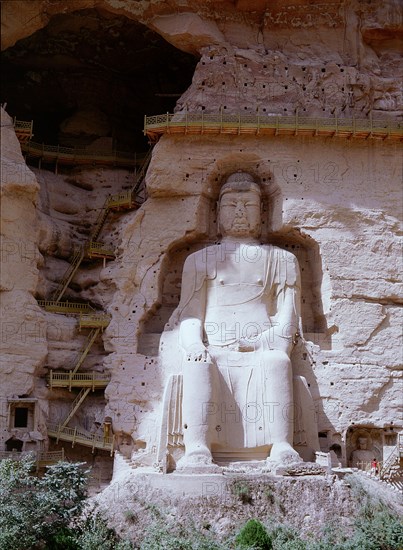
point(334, 202)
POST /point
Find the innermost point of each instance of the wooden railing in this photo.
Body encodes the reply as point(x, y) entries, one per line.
point(94, 320)
point(119, 200)
point(98, 250)
point(137, 194)
point(82, 437)
point(264, 124)
point(50, 457)
point(72, 308)
point(42, 458)
point(394, 457)
point(70, 380)
point(368, 467)
point(74, 156)
point(23, 129)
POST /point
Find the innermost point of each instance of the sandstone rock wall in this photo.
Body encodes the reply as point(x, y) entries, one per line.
point(218, 505)
point(332, 195)
point(23, 328)
point(334, 202)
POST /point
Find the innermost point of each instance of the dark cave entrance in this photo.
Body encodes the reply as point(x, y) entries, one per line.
point(92, 74)
point(14, 444)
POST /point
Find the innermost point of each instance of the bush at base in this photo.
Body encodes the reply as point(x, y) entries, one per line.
point(253, 535)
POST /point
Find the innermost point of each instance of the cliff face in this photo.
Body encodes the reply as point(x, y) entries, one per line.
point(329, 59)
point(336, 203)
point(23, 328)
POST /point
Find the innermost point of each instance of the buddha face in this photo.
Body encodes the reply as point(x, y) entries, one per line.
point(362, 443)
point(239, 213)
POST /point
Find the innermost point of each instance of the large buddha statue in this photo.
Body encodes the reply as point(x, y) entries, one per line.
point(238, 322)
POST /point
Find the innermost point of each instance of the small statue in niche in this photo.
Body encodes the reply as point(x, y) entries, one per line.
point(239, 320)
point(364, 454)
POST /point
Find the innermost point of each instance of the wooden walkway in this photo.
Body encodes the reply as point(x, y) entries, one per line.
point(259, 125)
point(42, 458)
point(82, 437)
point(92, 380)
point(23, 130)
point(88, 318)
point(69, 156)
point(66, 308)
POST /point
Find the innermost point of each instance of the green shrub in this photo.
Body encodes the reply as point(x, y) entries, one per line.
point(253, 535)
point(64, 539)
point(378, 529)
point(161, 536)
point(269, 494)
point(242, 490)
point(96, 534)
point(286, 538)
point(46, 512)
point(375, 528)
point(130, 516)
point(37, 511)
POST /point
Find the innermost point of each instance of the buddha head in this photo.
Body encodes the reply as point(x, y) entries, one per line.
point(239, 207)
point(362, 443)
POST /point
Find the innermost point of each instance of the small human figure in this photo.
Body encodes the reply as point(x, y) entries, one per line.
point(374, 467)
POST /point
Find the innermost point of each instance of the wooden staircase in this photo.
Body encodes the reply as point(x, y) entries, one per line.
point(79, 360)
point(85, 381)
point(82, 437)
point(89, 318)
point(75, 406)
point(392, 468)
point(100, 221)
point(93, 249)
point(75, 262)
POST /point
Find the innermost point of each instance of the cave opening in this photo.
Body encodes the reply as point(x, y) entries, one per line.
point(90, 76)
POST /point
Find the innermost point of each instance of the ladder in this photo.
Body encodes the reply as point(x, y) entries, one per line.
point(76, 404)
point(93, 248)
point(136, 195)
point(85, 349)
point(393, 459)
point(101, 219)
point(69, 274)
point(139, 185)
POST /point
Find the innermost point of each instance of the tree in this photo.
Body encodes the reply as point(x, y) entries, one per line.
point(39, 510)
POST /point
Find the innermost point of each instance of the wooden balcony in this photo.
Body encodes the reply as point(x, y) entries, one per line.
point(23, 130)
point(269, 125)
point(65, 308)
point(81, 437)
point(93, 380)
